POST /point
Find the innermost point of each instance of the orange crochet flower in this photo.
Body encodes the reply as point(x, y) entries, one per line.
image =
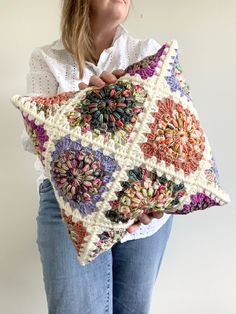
point(50, 104)
point(176, 137)
point(51, 100)
point(76, 230)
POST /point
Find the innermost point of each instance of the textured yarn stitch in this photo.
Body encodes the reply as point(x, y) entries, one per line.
point(133, 146)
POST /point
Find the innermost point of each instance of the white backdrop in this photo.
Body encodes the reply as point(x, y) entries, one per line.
point(198, 271)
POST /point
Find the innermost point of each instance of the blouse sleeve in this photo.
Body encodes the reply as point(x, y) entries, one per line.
point(40, 81)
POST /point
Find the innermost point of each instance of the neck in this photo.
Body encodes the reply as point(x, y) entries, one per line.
point(103, 37)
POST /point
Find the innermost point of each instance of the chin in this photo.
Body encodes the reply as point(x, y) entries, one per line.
point(118, 13)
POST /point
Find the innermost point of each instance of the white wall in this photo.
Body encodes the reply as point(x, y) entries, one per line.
point(198, 272)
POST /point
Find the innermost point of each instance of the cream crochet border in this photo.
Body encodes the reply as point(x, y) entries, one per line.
point(126, 156)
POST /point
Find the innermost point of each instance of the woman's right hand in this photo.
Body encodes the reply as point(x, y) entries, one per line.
point(105, 78)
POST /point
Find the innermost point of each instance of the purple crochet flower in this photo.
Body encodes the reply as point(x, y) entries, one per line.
point(216, 171)
point(37, 135)
point(199, 201)
point(80, 174)
point(212, 174)
point(147, 66)
point(176, 80)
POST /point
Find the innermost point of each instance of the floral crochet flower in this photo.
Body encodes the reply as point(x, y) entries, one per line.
point(49, 104)
point(37, 134)
point(107, 239)
point(80, 174)
point(110, 109)
point(199, 201)
point(212, 173)
point(147, 66)
point(145, 191)
point(176, 137)
point(76, 230)
point(176, 79)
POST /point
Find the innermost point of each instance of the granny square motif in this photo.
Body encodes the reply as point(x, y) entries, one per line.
point(133, 146)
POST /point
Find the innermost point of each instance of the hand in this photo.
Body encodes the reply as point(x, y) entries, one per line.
point(145, 219)
point(105, 78)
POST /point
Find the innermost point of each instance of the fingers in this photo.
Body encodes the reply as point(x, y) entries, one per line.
point(108, 77)
point(157, 215)
point(105, 78)
point(142, 219)
point(94, 81)
point(145, 219)
point(82, 85)
point(133, 227)
point(118, 73)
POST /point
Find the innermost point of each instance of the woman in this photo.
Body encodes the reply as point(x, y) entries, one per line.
point(93, 50)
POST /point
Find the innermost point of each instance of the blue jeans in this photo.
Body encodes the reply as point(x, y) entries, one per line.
point(118, 281)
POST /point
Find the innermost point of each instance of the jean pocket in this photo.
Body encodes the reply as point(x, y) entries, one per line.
point(45, 186)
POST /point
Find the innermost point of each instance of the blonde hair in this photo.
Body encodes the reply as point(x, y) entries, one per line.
point(76, 32)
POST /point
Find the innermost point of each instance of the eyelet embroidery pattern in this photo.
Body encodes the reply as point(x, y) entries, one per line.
point(176, 137)
point(80, 174)
point(37, 134)
point(110, 111)
point(147, 67)
point(176, 79)
point(164, 164)
point(146, 192)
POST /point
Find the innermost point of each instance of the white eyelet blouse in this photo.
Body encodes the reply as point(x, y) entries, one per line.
point(53, 70)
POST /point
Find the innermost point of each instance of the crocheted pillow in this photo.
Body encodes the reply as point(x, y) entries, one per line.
point(130, 147)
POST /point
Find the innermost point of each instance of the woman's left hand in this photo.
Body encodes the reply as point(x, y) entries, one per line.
point(145, 219)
